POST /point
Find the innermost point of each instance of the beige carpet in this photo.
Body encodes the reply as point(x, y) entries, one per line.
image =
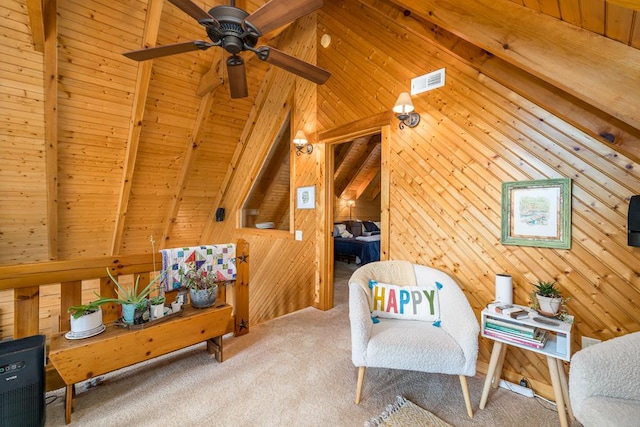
point(292, 371)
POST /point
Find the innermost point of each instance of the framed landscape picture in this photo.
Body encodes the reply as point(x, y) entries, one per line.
point(537, 213)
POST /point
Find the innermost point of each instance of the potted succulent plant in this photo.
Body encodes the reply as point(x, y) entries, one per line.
point(133, 299)
point(85, 317)
point(202, 285)
point(156, 306)
point(548, 297)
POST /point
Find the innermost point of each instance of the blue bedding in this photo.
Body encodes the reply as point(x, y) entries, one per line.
point(366, 251)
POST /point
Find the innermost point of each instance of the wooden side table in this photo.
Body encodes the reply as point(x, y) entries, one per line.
point(118, 347)
point(556, 349)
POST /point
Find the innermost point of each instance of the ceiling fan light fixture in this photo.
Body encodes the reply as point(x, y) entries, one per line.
point(236, 31)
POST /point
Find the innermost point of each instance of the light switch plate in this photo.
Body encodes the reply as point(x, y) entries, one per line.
point(298, 234)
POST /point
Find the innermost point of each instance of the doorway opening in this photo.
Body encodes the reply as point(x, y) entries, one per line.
point(351, 196)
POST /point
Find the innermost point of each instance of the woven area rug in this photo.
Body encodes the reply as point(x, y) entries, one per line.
point(403, 413)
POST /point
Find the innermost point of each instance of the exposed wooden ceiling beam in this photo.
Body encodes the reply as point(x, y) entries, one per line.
point(154, 13)
point(370, 168)
point(354, 165)
point(341, 153)
point(629, 4)
point(212, 78)
point(593, 68)
point(35, 12)
point(51, 122)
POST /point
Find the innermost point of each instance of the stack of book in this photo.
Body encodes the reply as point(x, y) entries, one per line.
point(518, 333)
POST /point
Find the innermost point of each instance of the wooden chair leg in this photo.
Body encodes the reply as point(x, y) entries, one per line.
point(465, 392)
point(361, 371)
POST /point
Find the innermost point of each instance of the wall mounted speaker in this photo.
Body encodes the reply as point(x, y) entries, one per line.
point(219, 214)
point(633, 218)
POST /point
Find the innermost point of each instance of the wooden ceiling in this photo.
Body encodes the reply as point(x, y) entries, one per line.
point(148, 149)
point(357, 165)
point(615, 19)
point(358, 162)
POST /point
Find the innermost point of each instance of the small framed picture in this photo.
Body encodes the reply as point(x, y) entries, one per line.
point(306, 197)
point(537, 213)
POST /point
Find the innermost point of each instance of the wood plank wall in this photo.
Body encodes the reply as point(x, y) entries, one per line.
point(23, 202)
point(166, 202)
point(446, 175)
point(283, 270)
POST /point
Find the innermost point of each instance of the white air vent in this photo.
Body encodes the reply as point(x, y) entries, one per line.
point(427, 82)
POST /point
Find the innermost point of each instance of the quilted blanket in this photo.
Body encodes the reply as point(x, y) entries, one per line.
point(216, 259)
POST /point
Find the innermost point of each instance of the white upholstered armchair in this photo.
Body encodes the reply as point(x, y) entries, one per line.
point(603, 383)
point(447, 344)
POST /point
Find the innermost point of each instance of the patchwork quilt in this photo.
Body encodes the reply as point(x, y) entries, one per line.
point(216, 259)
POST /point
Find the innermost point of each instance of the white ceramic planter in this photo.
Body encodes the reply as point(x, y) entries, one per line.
point(549, 306)
point(86, 322)
point(156, 311)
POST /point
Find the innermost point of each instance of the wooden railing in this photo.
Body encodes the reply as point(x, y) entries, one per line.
point(26, 279)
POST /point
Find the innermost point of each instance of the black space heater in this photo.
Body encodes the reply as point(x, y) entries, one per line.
point(22, 376)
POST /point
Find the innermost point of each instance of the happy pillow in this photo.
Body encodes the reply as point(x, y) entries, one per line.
point(405, 302)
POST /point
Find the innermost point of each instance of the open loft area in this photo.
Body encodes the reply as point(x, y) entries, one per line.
point(296, 127)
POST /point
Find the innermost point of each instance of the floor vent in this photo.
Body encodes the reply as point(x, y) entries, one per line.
point(427, 82)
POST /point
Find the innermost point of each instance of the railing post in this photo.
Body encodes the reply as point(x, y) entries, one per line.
point(241, 304)
point(70, 294)
point(26, 308)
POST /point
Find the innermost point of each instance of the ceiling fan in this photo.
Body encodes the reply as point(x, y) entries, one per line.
point(237, 31)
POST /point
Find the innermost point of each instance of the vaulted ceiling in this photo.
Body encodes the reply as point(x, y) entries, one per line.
point(148, 149)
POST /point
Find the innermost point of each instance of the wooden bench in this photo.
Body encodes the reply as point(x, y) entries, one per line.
point(118, 347)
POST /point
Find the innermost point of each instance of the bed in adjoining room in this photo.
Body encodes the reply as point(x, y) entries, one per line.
point(357, 241)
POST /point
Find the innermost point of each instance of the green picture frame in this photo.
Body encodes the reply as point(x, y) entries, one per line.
point(537, 213)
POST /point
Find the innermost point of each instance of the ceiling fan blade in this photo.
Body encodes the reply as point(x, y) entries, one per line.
point(292, 64)
point(277, 13)
point(193, 10)
point(166, 50)
point(237, 77)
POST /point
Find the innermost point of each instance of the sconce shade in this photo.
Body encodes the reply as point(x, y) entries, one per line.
point(300, 138)
point(404, 111)
point(301, 143)
point(403, 104)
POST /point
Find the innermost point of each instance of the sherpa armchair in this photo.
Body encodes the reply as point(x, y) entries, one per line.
point(603, 383)
point(411, 317)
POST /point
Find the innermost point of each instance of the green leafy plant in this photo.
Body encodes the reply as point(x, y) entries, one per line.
point(547, 289)
point(80, 310)
point(199, 279)
point(157, 300)
point(131, 295)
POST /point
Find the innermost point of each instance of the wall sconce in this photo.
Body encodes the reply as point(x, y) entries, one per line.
point(404, 111)
point(352, 204)
point(301, 143)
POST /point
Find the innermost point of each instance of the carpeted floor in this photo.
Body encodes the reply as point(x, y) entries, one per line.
point(292, 371)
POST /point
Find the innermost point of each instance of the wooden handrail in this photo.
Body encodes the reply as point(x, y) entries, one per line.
point(25, 280)
point(45, 273)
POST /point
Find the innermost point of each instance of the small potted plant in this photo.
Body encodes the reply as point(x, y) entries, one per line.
point(132, 299)
point(548, 298)
point(156, 306)
point(85, 317)
point(202, 285)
